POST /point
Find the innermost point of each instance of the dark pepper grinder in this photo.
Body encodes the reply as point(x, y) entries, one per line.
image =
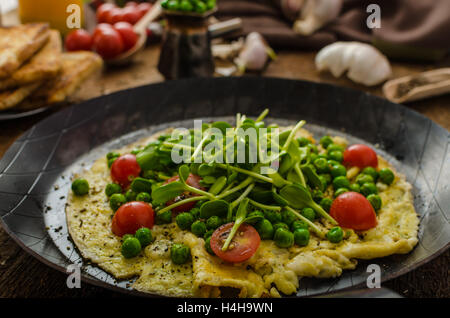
point(186, 47)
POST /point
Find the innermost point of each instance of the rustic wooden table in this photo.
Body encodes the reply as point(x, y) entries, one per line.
point(21, 275)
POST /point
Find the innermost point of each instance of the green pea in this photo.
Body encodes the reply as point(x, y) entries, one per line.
point(325, 141)
point(283, 238)
point(131, 247)
point(126, 236)
point(198, 228)
point(200, 7)
point(332, 163)
point(364, 178)
point(111, 161)
point(355, 187)
point(327, 178)
point(163, 218)
point(334, 147)
point(321, 165)
point(278, 225)
point(130, 195)
point(265, 229)
point(369, 188)
point(272, 216)
point(301, 237)
point(186, 6)
point(287, 217)
point(336, 156)
point(208, 246)
point(335, 234)
point(110, 155)
point(313, 157)
point(258, 214)
point(184, 220)
point(302, 141)
point(172, 5)
point(339, 191)
point(213, 222)
point(386, 176)
point(371, 171)
point(112, 188)
point(80, 187)
point(180, 253)
point(375, 201)
point(308, 213)
point(341, 182)
point(144, 197)
point(326, 204)
point(312, 148)
point(317, 195)
point(195, 212)
point(338, 170)
point(299, 224)
point(116, 200)
point(144, 235)
point(208, 234)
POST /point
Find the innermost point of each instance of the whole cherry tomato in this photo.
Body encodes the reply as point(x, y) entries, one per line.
point(131, 15)
point(125, 169)
point(104, 11)
point(100, 28)
point(132, 216)
point(78, 40)
point(127, 33)
point(352, 210)
point(360, 156)
point(194, 181)
point(116, 15)
point(143, 8)
point(131, 4)
point(243, 245)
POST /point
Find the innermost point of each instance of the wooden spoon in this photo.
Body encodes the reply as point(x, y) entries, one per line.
point(415, 87)
point(140, 28)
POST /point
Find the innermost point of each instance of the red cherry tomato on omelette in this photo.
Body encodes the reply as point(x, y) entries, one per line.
point(104, 11)
point(125, 169)
point(360, 156)
point(352, 210)
point(242, 247)
point(108, 43)
point(194, 181)
point(78, 40)
point(132, 216)
point(127, 33)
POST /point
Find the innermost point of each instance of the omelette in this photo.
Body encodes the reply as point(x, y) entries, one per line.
point(272, 271)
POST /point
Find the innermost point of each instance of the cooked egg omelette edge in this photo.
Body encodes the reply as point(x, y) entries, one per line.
point(272, 271)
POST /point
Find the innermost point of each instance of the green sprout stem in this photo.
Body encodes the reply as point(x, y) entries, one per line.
point(191, 199)
point(265, 206)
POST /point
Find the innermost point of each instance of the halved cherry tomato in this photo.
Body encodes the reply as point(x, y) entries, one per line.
point(132, 216)
point(127, 33)
point(125, 169)
point(78, 40)
point(352, 210)
point(104, 11)
point(242, 247)
point(360, 156)
point(194, 181)
point(131, 15)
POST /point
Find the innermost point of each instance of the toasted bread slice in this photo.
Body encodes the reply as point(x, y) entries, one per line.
point(76, 68)
point(11, 98)
point(45, 64)
point(19, 43)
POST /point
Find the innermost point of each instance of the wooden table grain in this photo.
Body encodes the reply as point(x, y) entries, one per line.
point(21, 275)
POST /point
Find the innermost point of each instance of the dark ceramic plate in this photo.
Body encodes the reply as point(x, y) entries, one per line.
point(35, 172)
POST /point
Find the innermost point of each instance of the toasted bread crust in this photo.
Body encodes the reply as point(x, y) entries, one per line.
point(44, 65)
point(9, 99)
point(19, 43)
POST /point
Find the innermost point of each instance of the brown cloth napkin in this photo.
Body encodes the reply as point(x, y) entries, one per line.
point(422, 24)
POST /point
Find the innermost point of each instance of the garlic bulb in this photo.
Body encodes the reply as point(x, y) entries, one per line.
point(255, 53)
point(363, 62)
point(315, 14)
